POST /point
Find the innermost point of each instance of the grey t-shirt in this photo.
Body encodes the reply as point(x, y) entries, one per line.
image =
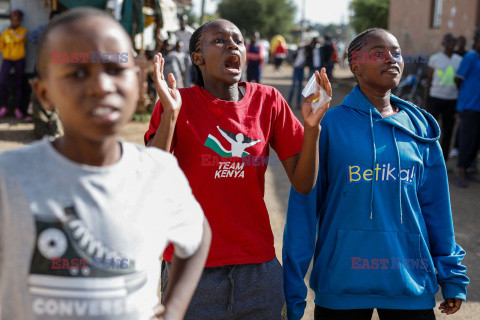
point(82, 242)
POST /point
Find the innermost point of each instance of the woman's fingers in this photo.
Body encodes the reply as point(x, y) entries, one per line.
point(158, 69)
point(322, 79)
point(450, 305)
point(171, 81)
point(162, 65)
point(158, 311)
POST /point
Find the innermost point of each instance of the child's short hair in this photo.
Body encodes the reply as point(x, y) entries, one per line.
point(18, 13)
point(65, 18)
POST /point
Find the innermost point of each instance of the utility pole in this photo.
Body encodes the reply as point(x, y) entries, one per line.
point(302, 25)
point(202, 14)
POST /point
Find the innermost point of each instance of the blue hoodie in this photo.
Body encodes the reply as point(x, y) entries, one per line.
point(376, 238)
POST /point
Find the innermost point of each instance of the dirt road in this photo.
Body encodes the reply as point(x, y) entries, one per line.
point(465, 202)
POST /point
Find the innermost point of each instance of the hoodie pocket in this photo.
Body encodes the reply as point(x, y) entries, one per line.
point(375, 262)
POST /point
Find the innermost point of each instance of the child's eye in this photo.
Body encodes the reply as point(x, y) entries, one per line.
point(219, 40)
point(238, 41)
point(113, 70)
point(79, 74)
point(396, 54)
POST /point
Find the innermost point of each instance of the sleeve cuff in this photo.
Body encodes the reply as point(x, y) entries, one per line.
point(453, 290)
point(296, 312)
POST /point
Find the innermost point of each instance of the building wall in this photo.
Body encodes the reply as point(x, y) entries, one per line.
point(410, 21)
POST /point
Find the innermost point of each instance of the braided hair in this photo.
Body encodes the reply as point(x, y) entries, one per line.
point(194, 46)
point(360, 41)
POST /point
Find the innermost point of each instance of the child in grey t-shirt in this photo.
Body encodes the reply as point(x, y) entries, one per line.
point(85, 218)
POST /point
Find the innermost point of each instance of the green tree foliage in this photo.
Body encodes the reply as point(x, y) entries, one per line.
point(369, 14)
point(269, 17)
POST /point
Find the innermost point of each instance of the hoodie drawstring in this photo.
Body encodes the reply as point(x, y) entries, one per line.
point(399, 175)
point(374, 162)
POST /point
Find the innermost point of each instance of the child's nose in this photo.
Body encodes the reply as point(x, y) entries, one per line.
point(101, 84)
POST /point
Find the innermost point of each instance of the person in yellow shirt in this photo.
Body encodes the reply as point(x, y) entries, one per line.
point(12, 46)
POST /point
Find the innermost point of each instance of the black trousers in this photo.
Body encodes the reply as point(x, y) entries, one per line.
point(366, 314)
point(445, 109)
point(469, 140)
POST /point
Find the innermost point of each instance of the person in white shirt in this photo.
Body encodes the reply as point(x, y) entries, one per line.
point(441, 93)
point(184, 34)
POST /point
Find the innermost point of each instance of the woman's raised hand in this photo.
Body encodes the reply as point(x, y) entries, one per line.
point(169, 95)
point(310, 118)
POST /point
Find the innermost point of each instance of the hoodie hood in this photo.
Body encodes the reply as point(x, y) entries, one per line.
point(414, 121)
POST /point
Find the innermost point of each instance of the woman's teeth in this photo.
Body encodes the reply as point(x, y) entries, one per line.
point(102, 111)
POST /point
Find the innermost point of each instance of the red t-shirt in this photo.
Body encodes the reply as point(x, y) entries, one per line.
point(223, 147)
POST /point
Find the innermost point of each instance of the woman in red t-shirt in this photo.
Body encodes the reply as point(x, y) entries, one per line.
point(221, 131)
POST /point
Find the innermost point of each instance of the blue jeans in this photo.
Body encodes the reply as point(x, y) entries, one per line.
point(297, 79)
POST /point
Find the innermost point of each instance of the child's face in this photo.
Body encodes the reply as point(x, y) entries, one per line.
point(15, 21)
point(449, 43)
point(94, 100)
point(221, 55)
point(384, 66)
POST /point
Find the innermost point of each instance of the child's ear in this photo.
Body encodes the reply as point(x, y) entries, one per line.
point(197, 58)
point(40, 89)
point(355, 69)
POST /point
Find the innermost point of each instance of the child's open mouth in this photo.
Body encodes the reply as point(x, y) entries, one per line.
point(232, 63)
point(105, 114)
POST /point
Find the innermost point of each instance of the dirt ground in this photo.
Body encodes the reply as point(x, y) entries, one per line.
point(465, 202)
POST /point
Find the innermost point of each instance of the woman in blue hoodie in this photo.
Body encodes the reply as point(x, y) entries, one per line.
point(378, 223)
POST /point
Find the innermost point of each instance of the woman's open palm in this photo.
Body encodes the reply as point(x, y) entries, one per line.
point(169, 95)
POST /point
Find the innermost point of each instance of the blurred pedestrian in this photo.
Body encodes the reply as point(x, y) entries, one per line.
point(278, 49)
point(297, 76)
point(183, 57)
point(461, 43)
point(173, 63)
point(468, 105)
point(313, 56)
point(184, 34)
point(266, 50)
point(12, 46)
point(441, 93)
point(254, 58)
point(328, 52)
